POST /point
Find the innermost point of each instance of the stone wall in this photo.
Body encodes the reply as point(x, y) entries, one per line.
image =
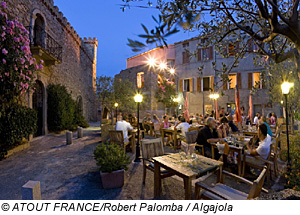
point(77, 70)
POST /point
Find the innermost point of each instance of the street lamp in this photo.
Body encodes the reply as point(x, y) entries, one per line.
point(116, 106)
point(285, 87)
point(215, 96)
point(138, 98)
point(176, 100)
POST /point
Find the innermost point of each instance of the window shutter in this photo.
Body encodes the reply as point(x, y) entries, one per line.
point(249, 81)
point(263, 85)
point(237, 47)
point(225, 87)
point(199, 54)
point(198, 84)
point(250, 46)
point(239, 81)
point(191, 85)
point(180, 85)
point(212, 81)
point(210, 52)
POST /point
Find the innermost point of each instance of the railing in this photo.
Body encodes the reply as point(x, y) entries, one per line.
point(39, 37)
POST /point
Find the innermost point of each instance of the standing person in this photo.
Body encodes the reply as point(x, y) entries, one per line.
point(123, 125)
point(166, 124)
point(208, 134)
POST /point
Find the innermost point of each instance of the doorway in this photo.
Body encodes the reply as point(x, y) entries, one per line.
point(37, 104)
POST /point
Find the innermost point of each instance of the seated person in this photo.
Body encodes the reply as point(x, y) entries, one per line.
point(155, 119)
point(147, 118)
point(123, 125)
point(265, 141)
point(231, 124)
point(183, 126)
point(166, 124)
point(263, 120)
point(273, 119)
point(208, 134)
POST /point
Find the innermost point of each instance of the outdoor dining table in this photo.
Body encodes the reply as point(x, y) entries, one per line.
point(171, 131)
point(188, 169)
point(249, 133)
point(235, 146)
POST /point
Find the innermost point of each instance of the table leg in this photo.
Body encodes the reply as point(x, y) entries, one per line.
point(240, 162)
point(188, 188)
point(163, 137)
point(151, 130)
point(157, 180)
point(219, 174)
point(175, 140)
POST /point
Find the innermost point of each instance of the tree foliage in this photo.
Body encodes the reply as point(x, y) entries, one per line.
point(166, 92)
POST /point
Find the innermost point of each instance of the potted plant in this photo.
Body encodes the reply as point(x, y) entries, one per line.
point(113, 161)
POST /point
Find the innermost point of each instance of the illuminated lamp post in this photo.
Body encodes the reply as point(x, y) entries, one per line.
point(116, 106)
point(138, 98)
point(285, 87)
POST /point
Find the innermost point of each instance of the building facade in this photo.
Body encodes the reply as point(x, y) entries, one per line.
point(68, 59)
point(144, 70)
point(198, 84)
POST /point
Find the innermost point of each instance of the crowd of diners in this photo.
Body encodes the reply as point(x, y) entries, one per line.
point(212, 130)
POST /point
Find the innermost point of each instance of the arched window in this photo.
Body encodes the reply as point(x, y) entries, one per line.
point(39, 31)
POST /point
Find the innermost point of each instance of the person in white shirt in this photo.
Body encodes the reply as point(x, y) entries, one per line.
point(183, 126)
point(255, 121)
point(263, 149)
point(124, 126)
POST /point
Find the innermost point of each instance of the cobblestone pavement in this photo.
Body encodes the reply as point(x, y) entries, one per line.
point(69, 172)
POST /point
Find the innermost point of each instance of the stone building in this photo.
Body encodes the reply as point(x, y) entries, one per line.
point(144, 70)
point(68, 59)
point(198, 85)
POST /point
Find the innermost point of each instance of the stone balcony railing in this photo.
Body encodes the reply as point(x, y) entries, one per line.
point(41, 41)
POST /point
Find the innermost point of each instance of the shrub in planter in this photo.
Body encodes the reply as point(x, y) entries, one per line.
point(112, 161)
point(16, 122)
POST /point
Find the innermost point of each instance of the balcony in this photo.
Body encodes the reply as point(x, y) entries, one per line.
point(44, 46)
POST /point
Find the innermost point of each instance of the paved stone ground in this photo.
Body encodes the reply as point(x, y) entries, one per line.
point(69, 172)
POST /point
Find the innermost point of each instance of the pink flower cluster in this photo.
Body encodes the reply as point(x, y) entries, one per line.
point(19, 67)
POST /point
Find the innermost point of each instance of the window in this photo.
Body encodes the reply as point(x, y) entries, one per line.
point(205, 54)
point(233, 82)
point(185, 45)
point(171, 63)
point(140, 80)
point(206, 83)
point(185, 57)
point(256, 80)
point(186, 85)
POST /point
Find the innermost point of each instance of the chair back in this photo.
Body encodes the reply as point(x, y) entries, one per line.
point(156, 126)
point(191, 137)
point(116, 137)
point(258, 184)
point(152, 148)
point(193, 129)
point(277, 140)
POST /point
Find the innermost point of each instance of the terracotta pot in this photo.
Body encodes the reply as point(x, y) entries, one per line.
point(112, 180)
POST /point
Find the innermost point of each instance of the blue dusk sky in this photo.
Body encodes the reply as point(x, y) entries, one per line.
point(105, 20)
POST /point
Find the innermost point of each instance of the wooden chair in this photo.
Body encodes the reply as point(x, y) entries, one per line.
point(191, 138)
point(152, 148)
point(258, 162)
point(220, 191)
point(275, 153)
point(157, 129)
point(117, 137)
